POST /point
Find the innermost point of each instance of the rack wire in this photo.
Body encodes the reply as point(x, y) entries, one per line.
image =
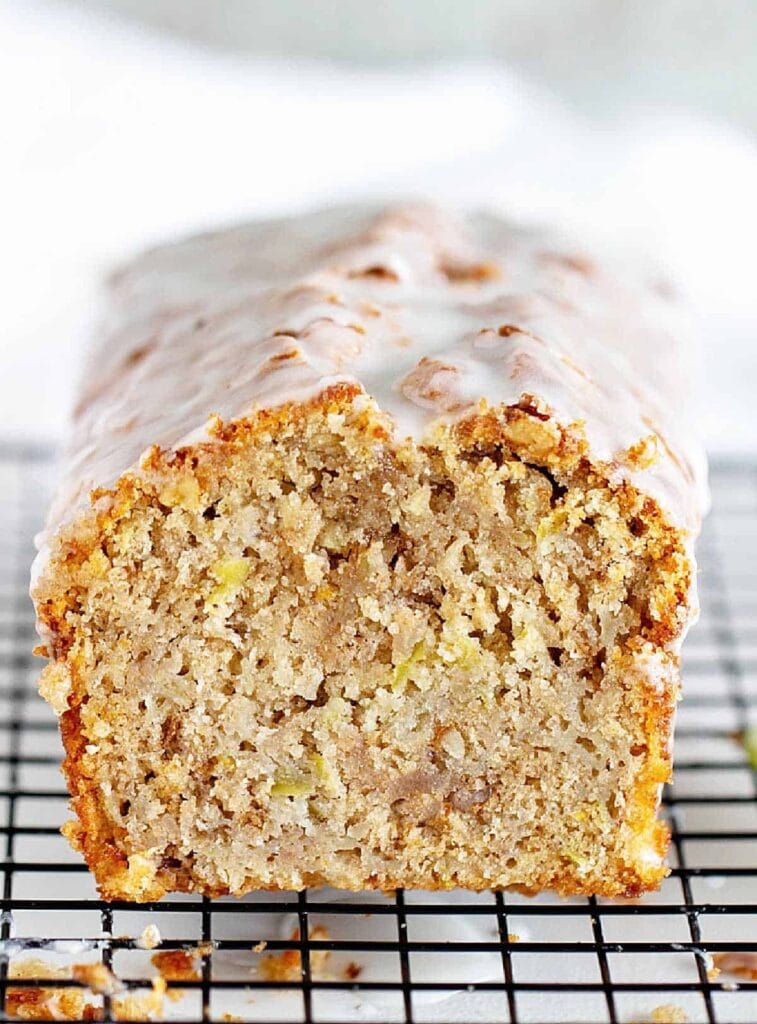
point(413, 957)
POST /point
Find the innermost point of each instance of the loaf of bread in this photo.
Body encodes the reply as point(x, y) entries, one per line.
point(371, 563)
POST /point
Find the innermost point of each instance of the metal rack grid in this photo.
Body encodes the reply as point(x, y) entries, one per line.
point(417, 956)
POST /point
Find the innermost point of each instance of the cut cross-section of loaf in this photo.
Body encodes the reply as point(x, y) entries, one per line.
point(371, 565)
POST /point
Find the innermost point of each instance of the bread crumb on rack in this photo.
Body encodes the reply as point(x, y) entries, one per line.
point(65, 1003)
point(97, 977)
point(138, 1006)
point(352, 971)
point(287, 965)
point(150, 937)
point(42, 1003)
point(742, 964)
point(669, 1013)
point(176, 965)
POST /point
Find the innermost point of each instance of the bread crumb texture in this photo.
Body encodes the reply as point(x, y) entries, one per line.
point(69, 1002)
point(287, 965)
point(302, 654)
point(176, 965)
point(150, 937)
point(742, 964)
point(669, 1013)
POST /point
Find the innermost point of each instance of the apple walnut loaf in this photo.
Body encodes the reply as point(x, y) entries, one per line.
point(371, 564)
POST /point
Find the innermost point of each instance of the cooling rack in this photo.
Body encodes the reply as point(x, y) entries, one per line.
point(414, 957)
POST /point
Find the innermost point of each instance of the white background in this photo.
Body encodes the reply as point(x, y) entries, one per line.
point(116, 134)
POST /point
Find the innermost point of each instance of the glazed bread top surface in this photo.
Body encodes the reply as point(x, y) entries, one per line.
point(430, 312)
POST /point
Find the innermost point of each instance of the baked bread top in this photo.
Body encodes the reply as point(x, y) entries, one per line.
point(429, 312)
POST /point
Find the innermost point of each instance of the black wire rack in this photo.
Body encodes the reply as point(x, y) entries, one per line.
point(413, 957)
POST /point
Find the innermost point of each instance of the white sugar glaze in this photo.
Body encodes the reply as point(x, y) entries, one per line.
point(409, 304)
